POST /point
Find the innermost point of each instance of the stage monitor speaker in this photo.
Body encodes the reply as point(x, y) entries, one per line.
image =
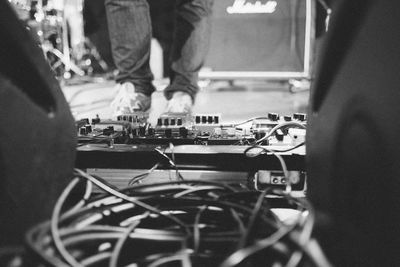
point(266, 39)
point(37, 132)
point(353, 144)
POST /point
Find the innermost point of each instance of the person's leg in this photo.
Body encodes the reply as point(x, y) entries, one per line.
point(162, 18)
point(129, 27)
point(190, 45)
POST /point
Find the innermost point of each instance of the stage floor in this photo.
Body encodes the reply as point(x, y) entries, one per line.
point(235, 103)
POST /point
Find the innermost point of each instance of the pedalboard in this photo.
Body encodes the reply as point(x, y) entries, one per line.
point(199, 144)
point(183, 128)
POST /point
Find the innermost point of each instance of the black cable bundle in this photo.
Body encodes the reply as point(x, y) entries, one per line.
point(180, 223)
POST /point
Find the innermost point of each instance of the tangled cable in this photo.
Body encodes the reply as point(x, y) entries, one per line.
point(280, 126)
point(178, 223)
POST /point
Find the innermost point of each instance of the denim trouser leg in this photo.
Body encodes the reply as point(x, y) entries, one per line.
point(190, 45)
point(129, 27)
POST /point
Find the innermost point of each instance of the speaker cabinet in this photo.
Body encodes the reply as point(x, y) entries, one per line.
point(263, 39)
point(37, 132)
point(353, 144)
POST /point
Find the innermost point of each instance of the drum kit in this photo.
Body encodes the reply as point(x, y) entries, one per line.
point(57, 27)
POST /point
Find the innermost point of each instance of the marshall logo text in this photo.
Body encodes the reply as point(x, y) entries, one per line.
point(244, 7)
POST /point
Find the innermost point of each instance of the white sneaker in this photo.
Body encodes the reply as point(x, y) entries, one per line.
point(180, 102)
point(127, 101)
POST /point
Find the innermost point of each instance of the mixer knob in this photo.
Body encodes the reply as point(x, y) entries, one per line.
point(142, 131)
point(168, 133)
point(183, 132)
point(287, 118)
point(151, 131)
point(273, 116)
point(300, 116)
point(279, 135)
point(82, 131)
point(88, 128)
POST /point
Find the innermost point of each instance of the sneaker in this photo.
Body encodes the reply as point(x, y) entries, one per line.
point(180, 102)
point(128, 101)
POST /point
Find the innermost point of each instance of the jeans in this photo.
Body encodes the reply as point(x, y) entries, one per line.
point(131, 32)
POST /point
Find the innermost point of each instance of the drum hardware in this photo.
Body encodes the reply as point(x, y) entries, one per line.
point(57, 27)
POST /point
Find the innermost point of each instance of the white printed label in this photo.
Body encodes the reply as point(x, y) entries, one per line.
point(244, 7)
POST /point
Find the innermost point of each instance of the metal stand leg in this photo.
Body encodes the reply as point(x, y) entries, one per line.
point(65, 57)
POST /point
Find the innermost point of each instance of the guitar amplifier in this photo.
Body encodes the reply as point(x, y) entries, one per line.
point(265, 39)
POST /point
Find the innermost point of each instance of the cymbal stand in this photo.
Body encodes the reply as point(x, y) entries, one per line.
point(64, 56)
